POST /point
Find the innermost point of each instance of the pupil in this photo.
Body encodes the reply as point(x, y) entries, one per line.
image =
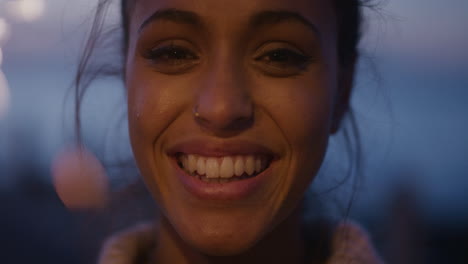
point(279, 56)
point(177, 55)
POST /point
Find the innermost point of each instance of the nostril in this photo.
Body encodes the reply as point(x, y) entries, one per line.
point(240, 123)
point(223, 109)
point(224, 124)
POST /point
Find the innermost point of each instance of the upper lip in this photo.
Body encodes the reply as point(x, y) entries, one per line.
point(210, 148)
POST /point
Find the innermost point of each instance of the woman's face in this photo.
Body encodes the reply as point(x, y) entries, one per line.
point(230, 106)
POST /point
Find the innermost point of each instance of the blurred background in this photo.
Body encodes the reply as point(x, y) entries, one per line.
point(411, 102)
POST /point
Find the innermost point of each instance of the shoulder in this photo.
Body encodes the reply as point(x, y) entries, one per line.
point(351, 244)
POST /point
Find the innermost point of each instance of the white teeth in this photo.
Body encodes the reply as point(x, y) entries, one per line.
point(227, 168)
point(258, 165)
point(201, 166)
point(250, 165)
point(222, 168)
point(192, 163)
point(212, 168)
point(239, 166)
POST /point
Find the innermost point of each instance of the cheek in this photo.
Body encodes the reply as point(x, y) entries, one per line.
point(154, 102)
point(142, 116)
point(309, 124)
point(301, 110)
point(152, 107)
point(307, 129)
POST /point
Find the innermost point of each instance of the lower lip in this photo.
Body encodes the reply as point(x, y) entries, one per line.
point(234, 190)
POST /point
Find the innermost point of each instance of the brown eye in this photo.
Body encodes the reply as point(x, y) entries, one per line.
point(171, 59)
point(284, 58)
point(283, 61)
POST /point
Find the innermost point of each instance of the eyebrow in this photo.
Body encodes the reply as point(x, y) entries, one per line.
point(260, 19)
point(279, 16)
point(173, 15)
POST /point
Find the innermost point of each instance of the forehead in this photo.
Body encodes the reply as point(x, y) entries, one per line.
point(236, 12)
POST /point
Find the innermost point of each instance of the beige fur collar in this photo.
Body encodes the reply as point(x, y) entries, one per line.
point(350, 244)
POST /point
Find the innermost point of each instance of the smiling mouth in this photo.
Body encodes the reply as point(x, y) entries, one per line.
point(223, 169)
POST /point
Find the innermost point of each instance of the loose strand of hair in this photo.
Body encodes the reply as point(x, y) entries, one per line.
point(80, 83)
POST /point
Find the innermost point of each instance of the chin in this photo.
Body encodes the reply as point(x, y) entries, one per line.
point(223, 245)
point(220, 236)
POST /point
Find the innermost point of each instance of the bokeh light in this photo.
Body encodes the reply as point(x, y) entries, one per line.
point(80, 179)
point(4, 30)
point(26, 10)
point(4, 95)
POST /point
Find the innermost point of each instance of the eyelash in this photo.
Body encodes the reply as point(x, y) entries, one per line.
point(284, 58)
point(173, 59)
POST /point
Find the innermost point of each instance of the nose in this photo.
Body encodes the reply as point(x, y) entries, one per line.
point(224, 105)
